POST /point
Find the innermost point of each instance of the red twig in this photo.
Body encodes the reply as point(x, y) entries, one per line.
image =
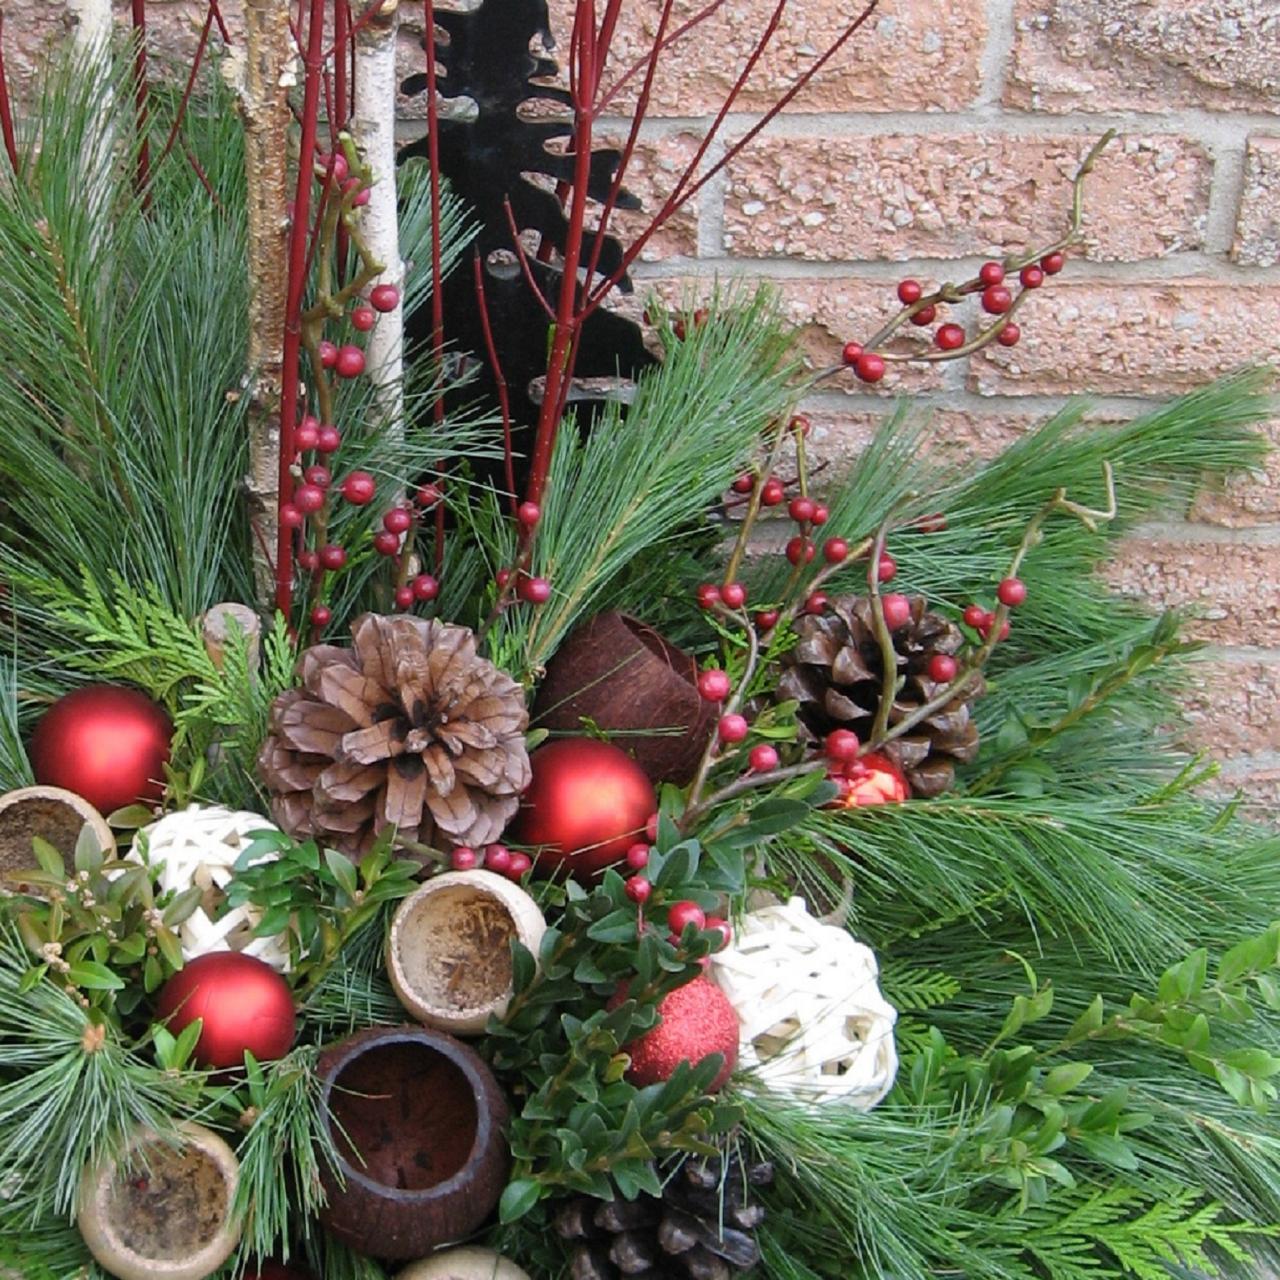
point(6, 107)
point(661, 47)
point(222, 26)
point(343, 84)
point(504, 401)
point(204, 177)
point(355, 28)
point(141, 101)
point(201, 45)
point(523, 259)
point(437, 241)
point(298, 236)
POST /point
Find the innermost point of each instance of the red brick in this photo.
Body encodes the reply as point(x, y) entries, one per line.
point(1231, 706)
point(1257, 242)
point(1246, 499)
point(1230, 586)
point(1143, 339)
point(1144, 55)
point(938, 196)
point(911, 56)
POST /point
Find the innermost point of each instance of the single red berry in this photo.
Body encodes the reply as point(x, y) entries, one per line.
point(425, 587)
point(404, 597)
point(996, 299)
point(386, 543)
point(428, 496)
point(767, 619)
point(397, 520)
point(637, 857)
point(870, 367)
point(678, 329)
point(1052, 263)
point(987, 618)
point(306, 434)
point(897, 611)
point(800, 550)
point(321, 616)
point(308, 560)
point(909, 291)
point(718, 924)
point(502, 577)
point(358, 488)
point(763, 759)
point(800, 425)
point(328, 352)
point(1012, 592)
point(851, 352)
point(943, 668)
point(991, 273)
point(384, 297)
point(683, 914)
point(328, 439)
point(835, 550)
point(733, 728)
point(820, 514)
point(308, 498)
point(772, 492)
point(985, 630)
point(888, 568)
point(974, 615)
point(361, 196)
point(528, 513)
point(639, 889)
point(651, 828)
point(744, 483)
point(841, 745)
point(714, 685)
point(1009, 335)
point(734, 594)
point(801, 509)
point(363, 318)
point(332, 556)
point(497, 858)
point(350, 362)
point(520, 864)
point(337, 160)
point(1032, 277)
point(463, 858)
point(700, 317)
point(534, 590)
point(816, 603)
point(318, 476)
point(290, 516)
point(950, 337)
point(926, 315)
point(707, 595)
point(934, 522)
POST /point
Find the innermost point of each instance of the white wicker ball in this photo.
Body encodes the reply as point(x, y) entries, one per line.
point(814, 1023)
point(199, 845)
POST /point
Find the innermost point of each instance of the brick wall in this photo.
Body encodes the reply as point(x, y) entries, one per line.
point(950, 131)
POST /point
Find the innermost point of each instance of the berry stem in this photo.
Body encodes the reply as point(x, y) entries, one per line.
point(890, 680)
point(495, 366)
point(697, 809)
point(752, 513)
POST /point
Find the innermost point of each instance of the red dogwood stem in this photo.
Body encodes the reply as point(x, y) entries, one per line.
point(141, 100)
point(6, 107)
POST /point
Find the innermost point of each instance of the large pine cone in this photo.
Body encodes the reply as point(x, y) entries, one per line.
point(408, 727)
point(835, 671)
point(701, 1228)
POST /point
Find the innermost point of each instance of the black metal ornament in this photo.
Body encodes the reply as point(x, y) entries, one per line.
point(498, 135)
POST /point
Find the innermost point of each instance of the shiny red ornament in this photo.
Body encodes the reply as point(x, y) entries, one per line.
point(105, 743)
point(697, 1021)
point(586, 806)
point(871, 779)
point(243, 1002)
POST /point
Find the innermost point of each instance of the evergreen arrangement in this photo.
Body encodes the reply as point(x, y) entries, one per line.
point(898, 821)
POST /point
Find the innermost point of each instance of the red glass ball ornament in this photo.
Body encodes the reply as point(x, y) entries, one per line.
point(697, 1021)
point(586, 806)
point(242, 1002)
point(105, 743)
point(871, 779)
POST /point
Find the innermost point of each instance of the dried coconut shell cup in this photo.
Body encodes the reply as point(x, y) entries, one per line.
point(162, 1211)
point(449, 948)
point(52, 813)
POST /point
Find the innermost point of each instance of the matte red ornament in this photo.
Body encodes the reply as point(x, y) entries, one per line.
point(697, 1021)
point(871, 779)
point(106, 743)
point(243, 1002)
point(586, 806)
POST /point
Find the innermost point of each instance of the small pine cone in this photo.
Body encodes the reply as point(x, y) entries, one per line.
point(407, 727)
point(835, 674)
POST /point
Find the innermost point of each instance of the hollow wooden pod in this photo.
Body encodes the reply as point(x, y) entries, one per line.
point(467, 1263)
point(160, 1211)
point(449, 948)
point(54, 814)
point(624, 677)
point(416, 1118)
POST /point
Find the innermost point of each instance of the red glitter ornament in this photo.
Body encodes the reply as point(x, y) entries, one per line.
point(586, 806)
point(871, 779)
point(105, 743)
point(697, 1021)
point(243, 1002)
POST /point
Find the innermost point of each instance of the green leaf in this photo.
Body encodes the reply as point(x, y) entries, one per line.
point(343, 870)
point(95, 977)
point(1069, 1076)
point(618, 926)
point(183, 906)
point(49, 859)
point(518, 1199)
point(89, 853)
point(170, 947)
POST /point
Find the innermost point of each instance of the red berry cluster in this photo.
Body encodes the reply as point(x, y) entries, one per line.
point(496, 858)
point(1010, 593)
